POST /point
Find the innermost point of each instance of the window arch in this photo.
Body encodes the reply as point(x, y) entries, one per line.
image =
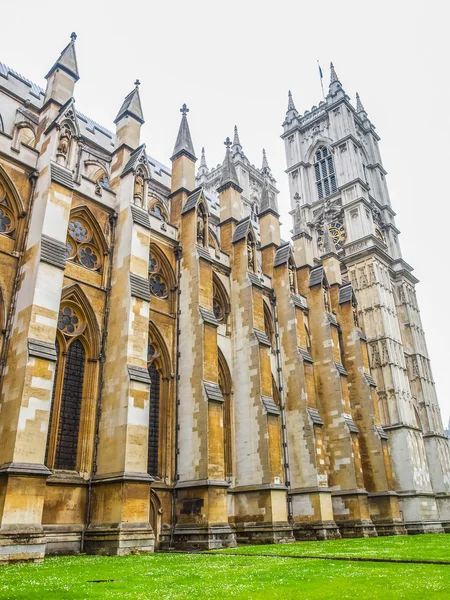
point(85, 244)
point(324, 172)
point(161, 276)
point(158, 207)
point(72, 412)
point(161, 414)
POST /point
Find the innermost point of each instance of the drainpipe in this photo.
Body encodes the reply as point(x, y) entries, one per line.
point(178, 253)
point(98, 409)
point(12, 307)
point(287, 475)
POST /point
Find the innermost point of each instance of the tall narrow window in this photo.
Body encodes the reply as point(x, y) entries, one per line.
point(153, 421)
point(69, 416)
point(51, 417)
point(324, 172)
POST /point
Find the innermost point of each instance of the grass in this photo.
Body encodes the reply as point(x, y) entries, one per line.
point(418, 547)
point(215, 576)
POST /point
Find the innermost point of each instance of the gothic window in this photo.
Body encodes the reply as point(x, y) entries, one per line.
point(153, 421)
point(221, 301)
point(70, 409)
point(324, 172)
point(82, 245)
point(224, 381)
point(161, 278)
point(7, 217)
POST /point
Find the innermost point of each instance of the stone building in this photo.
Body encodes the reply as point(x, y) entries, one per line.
point(173, 373)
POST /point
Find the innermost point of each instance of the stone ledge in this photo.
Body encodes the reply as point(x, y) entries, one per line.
point(25, 469)
point(122, 476)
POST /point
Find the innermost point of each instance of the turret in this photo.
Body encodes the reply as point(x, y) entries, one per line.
point(230, 199)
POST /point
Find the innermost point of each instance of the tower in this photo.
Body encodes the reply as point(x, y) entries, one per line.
point(338, 190)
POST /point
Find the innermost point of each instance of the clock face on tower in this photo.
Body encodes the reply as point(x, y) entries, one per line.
point(338, 234)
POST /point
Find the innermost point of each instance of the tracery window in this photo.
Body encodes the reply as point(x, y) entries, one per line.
point(67, 394)
point(158, 277)
point(221, 302)
point(158, 286)
point(158, 212)
point(81, 245)
point(324, 172)
point(7, 218)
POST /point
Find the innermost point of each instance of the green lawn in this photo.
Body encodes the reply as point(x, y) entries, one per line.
point(212, 576)
point(416, 547)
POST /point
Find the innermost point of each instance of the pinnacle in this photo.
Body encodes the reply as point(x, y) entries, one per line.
point(67, 60)
point(203, 159)
point(291, 105)
point(229, 175)
point(333, 75)
point(359, 104)
point(236, 140)
point(132, 105)
point(265, 163)
point(184, 140)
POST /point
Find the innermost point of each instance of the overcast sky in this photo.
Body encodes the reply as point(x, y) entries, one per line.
point(233, 63)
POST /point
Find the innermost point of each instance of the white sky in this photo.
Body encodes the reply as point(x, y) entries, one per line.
point(233, 63)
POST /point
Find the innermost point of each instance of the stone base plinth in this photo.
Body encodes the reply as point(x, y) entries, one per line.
point(418, 527)
point(119, 540)
point(317, 531)
point(192, 537)
point(389, 527)
point(63, 539)
point(22, 545)
point(360, 528)
point(264, 533)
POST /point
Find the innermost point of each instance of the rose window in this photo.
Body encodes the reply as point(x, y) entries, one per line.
point(68, 321)
point(6, 220)
point(88, 256)
point(80, 245)
point(158, 286)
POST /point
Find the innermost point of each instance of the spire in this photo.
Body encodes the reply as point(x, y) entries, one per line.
point(360, 108)
point(265, 164)
point(132, 105)
point(229, 175)
point(184, 145)
point(67, 60)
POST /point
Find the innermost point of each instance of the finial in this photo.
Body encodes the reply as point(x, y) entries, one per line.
point(137, 83)
point(333, 75)
point(184, 110)
point(227, 143)
point(73, 36)
point(291, 105)
point(359, 105)
point(236, 140)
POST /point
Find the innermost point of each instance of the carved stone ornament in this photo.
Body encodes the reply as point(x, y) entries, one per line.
point(64, 142)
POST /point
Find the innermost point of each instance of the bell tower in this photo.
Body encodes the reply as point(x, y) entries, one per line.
point(338, 191)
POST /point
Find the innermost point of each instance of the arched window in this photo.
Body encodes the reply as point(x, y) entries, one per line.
point(269, 328)
point(225, 388)
point(221, 301)
point(84, 244)
point(161, 278)
point(324, 172)
point(72, 412)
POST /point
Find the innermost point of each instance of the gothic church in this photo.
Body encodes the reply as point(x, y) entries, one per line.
point(173, 373)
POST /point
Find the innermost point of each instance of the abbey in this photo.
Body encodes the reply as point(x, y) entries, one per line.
point(173, 373)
